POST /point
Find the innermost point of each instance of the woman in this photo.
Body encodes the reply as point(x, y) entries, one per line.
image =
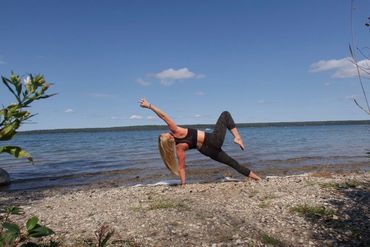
point(208, 144)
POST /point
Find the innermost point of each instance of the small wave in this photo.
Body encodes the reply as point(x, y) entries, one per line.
point(160, 183)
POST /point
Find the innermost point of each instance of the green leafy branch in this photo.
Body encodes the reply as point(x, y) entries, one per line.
point(33, 87)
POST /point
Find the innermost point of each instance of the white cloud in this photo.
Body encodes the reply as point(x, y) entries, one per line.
point(142, 82)
point(325, 65)
point(197, 115)
point(342, 68)
point(169, 76)
point(151, 117)
point(136, 117)
point(69, 110)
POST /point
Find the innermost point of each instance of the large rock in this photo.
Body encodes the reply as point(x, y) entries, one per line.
point(4, 177)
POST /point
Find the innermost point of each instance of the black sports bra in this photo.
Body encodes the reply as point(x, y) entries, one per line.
point(190, 138)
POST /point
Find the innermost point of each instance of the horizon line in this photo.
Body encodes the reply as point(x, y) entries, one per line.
point(242, 125)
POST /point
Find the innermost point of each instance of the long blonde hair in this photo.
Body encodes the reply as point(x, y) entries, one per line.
point(167, 149)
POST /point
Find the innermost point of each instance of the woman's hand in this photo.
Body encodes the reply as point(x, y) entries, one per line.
point(144, 103)
point(170, 123)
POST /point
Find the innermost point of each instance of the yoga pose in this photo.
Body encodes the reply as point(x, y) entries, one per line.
point(175, 143)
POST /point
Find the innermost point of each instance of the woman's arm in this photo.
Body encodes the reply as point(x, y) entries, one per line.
point(181, 159)
point(180, 150)
point(170, 123)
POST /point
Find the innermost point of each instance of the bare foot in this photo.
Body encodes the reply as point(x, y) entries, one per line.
point(239, 141)
point(254, 176)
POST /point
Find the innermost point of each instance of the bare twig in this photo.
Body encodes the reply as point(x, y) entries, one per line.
point(358, 67)
point(103, 234)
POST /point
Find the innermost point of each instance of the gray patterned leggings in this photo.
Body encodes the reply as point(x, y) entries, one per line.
point(214, 141)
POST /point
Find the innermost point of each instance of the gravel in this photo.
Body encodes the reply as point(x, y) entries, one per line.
point(302, 210)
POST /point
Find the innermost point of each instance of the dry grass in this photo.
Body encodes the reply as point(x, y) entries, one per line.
point(313, 211)
point(346, 185)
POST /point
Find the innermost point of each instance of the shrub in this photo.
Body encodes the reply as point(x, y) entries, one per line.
point(12, 235)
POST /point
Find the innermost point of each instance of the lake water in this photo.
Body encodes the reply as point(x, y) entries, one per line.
point(131, 157)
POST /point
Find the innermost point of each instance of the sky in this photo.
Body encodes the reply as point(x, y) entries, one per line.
point(264, 61)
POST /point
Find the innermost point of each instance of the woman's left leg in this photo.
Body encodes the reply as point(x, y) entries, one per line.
point(237, 138)
point(225, 121)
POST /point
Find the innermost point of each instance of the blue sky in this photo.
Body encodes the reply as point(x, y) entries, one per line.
point(264, 61)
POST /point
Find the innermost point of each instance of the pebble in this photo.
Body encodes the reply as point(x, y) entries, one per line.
point(211, 215)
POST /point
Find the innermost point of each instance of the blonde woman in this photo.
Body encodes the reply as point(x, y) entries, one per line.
point(175, 143)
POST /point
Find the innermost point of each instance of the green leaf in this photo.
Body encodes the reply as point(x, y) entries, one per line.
point(10, 110)
point(8, 131)
point(22, 115)
point(2, 241)
point(12, 232)
point(46, 96)
point(11, 227)
point(40, 231)
point(14, 79)
point(13, 210)
point(39, 80)
point(16, 152)
point(6, 239)
point(6, 82)
point(31, 223)
point(18, 87)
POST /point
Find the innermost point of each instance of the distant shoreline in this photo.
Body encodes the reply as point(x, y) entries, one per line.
point(200, 126)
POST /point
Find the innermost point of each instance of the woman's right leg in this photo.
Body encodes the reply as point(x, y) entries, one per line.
point(227, 160)
point(219, 155)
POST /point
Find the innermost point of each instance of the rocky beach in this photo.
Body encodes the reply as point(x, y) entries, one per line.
point(314, 209)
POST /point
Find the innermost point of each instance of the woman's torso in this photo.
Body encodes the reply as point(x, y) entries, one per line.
point(191, 137)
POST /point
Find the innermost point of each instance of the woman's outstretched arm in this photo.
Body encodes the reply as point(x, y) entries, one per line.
point(170, 123)
point(180, 151)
